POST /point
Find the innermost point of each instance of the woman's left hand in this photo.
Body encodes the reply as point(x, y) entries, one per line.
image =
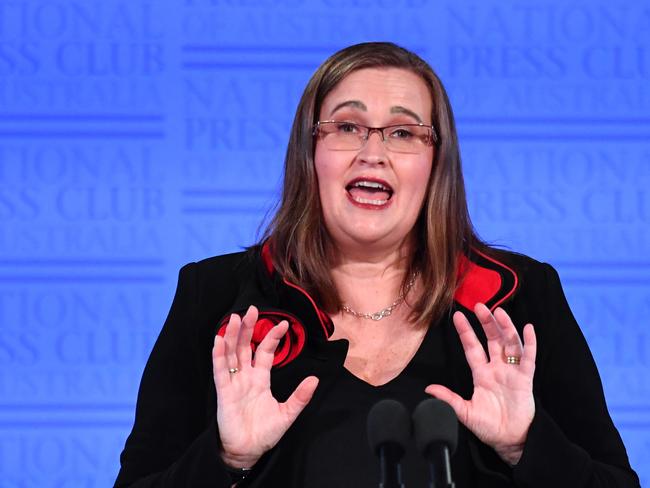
point(502, 406)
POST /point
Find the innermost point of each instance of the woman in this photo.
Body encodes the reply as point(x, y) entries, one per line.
point(370, 284)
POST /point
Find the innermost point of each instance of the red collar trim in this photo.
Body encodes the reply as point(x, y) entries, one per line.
point(267, 259)
point(325, 321)
point(484, 279)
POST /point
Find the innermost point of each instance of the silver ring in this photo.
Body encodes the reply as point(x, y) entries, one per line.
point(513, 359)
point(233, 370)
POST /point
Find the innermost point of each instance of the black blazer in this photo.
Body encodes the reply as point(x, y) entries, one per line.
point(572, 441)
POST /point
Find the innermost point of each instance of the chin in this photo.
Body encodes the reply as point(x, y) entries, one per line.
point(386, 236)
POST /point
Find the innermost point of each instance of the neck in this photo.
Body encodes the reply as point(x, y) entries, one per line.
point(369, 281)
point(367, 262)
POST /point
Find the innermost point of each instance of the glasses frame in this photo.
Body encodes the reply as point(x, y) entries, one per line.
point(433, 141)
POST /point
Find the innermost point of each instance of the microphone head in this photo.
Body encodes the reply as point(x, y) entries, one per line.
point(389, 426)
point(435, 424)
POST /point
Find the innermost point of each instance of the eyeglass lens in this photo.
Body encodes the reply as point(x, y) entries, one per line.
point(346, 136)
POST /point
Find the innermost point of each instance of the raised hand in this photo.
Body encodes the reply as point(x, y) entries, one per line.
point(250, 419)
point(502, 406)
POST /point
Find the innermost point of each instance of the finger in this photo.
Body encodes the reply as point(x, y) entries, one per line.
point(230, 338)
point(474, 352)
point(219, 365)
point(265, 352)
point(530, 350)
point(300, 398)
point(458, 403)
point(244, 353)
point(512, 345)
point(491, 329)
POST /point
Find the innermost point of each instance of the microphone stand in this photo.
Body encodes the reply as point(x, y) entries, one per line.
point(390, 471)
point(441, 479)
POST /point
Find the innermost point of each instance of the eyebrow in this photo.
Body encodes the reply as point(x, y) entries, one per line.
point(397, 109)
point(350, 103)
point(403, 110)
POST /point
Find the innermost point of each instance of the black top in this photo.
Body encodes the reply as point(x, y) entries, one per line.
point(334, 441)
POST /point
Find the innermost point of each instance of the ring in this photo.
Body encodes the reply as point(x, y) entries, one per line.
point(233, 370)
point(513, 359)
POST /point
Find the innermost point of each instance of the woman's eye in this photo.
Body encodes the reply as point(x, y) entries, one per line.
point(347, 127)
point(401, 133)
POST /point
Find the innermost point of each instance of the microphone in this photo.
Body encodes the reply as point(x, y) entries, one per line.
point(436, 436)
point(389, 429)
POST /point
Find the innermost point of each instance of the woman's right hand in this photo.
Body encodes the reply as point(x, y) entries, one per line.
point(250, 419)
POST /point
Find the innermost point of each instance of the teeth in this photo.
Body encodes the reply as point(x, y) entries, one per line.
point(369, 201)
point(370, 184)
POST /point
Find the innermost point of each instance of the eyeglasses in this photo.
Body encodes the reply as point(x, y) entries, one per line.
point(349, 136)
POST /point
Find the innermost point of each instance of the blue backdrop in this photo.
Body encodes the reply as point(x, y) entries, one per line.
point(138, 135)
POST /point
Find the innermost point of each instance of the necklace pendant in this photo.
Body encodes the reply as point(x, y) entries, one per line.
point(381, 314)
point(377, 316)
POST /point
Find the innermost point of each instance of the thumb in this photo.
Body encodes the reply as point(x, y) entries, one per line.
point(458, 403)
point(300, 398)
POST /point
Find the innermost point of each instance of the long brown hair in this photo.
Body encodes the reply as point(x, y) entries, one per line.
point(443, 230)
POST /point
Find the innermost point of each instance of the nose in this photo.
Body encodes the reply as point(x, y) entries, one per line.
point(374, 149)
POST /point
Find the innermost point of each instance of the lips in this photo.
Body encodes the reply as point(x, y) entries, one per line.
point(369, 191)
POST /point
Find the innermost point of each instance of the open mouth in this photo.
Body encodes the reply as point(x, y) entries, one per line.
point(369, 191)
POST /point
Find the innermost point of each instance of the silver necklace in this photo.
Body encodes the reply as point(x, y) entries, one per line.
point(384, 312)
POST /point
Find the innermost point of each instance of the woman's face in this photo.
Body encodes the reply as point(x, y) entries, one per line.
point(373, 196)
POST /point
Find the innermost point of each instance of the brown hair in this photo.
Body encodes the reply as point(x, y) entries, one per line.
point(443, 230)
